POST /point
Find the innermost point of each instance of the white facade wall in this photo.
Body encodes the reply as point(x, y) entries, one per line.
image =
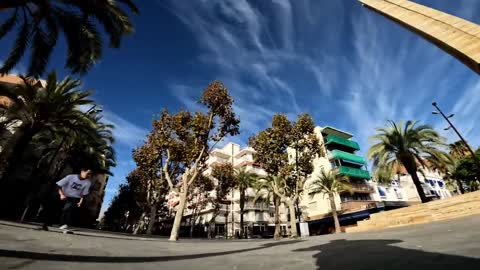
point(259, 214)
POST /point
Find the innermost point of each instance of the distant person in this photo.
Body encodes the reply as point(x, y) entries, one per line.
point(72, 189)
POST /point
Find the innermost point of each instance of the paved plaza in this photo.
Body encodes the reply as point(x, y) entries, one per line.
point(452, 245)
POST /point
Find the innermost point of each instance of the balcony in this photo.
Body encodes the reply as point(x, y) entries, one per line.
point(337, 154)
point(351, 206)
point(362, 188)
point(353, 172)
point(333, 139)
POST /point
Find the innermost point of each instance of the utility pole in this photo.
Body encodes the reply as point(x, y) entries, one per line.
point(452, 126)
point(475, 160)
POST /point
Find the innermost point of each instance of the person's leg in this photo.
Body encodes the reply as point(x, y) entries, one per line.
point(65, 218)
point(70, 206)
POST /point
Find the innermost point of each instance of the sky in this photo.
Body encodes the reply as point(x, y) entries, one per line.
point(345, 65)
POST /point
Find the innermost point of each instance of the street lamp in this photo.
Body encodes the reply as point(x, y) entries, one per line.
point(438, 111)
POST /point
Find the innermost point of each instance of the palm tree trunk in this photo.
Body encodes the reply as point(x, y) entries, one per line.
point(242, 206)
point(178, 216)
point(293, 221)
point(416, 181)
point(460, 186)
point(331, 198)
point(153, 217)
point(276, 202)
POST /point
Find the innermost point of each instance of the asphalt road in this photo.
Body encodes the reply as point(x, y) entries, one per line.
point(452, 245)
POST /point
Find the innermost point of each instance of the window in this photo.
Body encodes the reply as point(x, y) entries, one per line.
point(355, 197)
point(381, 192)
point(398, 193)
point(272, 214)
point(332, 163)
point(440, 184)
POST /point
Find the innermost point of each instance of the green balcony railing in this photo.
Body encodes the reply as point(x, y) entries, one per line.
point(339, 140)
point(353, 172)
point(337, 154)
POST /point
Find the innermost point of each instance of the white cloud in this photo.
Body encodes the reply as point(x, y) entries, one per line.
point(354, 69)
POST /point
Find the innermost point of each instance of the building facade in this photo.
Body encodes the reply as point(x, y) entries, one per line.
point(340, 154)
point(258, 215)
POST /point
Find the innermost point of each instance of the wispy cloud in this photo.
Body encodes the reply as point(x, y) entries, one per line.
point(344, 64)
point(125, 132)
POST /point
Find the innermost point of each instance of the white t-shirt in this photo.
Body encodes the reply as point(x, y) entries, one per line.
point(74, 187)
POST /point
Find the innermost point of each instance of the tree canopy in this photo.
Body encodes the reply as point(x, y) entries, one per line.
point(40, 23)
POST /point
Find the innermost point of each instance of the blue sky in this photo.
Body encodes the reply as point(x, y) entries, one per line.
point(345, 65)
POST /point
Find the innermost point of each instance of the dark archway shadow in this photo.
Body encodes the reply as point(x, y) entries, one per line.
point(381, 255)
point(124, 259)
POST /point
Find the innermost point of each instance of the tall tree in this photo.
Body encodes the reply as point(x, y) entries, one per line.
point(465, 172)
point(244, 179)
point(224, 182)
point(41, 22)
point(412, 146)
point(287, 150)
point(149, 171)
point(331, 183)
point(185, 139)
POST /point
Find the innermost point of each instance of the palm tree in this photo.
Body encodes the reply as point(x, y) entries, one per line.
point(331, 183)
point(53, 108)
point(243, 180)
point(40, 23)
point(383, 175)
point(264, 190)
point(409, 146)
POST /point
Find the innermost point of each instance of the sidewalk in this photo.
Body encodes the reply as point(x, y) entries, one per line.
point(83, 231)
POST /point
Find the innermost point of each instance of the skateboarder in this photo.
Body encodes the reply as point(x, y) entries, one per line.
point(72, 189)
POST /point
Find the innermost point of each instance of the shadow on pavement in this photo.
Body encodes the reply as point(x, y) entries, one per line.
point(380, 254)
point(107, 259)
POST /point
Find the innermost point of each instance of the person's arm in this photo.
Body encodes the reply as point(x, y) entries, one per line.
point(80, 202)
point(62, 195)
point(85, 192)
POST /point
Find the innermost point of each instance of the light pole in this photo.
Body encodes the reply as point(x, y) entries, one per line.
point(438, 111)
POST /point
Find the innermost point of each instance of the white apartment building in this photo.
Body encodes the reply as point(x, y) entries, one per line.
point(403, 191)
point(258, 217)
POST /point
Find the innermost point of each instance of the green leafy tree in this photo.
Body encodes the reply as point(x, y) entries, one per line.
point(183, 140)
point(331, 183)
point(412, 146)
point(150, 175)
point(40, 23)
point(287, 150)
point(465, 172)
point(244, 179)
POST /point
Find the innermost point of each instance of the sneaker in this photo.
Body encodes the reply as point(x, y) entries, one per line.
point(64, 227)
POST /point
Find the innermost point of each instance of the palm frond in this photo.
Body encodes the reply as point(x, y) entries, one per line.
point(19, 48)
point(8, 24)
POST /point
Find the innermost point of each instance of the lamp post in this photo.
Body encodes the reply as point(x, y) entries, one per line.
point(438, 111)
